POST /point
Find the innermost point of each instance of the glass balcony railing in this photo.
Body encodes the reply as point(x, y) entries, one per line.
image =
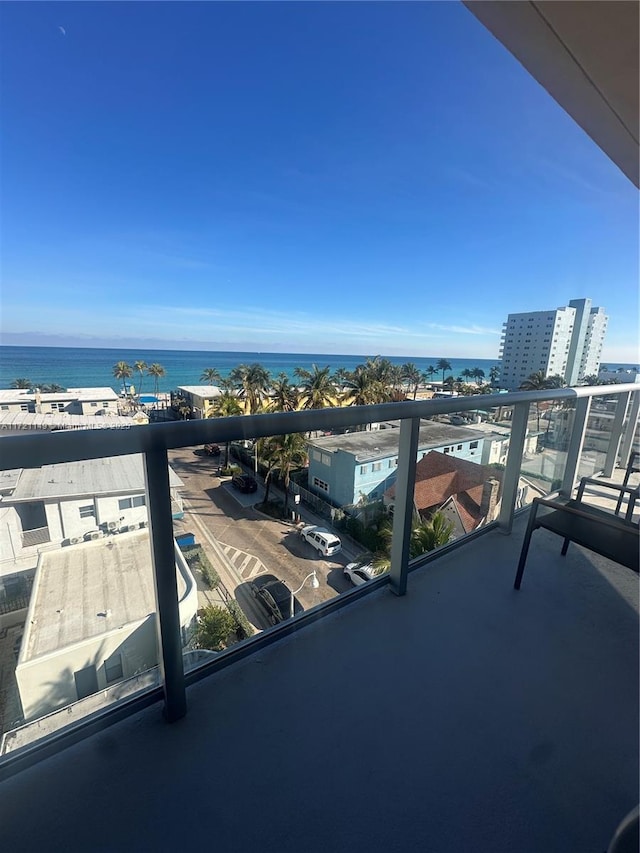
point(133, 562)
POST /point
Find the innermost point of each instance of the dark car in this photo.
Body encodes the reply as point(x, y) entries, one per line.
point(244, 483)
point(275, 597)
point(212, 450)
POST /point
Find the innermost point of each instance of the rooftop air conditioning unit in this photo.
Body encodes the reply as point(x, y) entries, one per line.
point(132, 527)
point(74, 540)
point(112, 525)
point(89, 535)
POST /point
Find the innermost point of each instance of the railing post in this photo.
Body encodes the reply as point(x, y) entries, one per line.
point(166, 586)
point(632, 423)
point(403, 512)
point(519, 425)
point(576, 440)
point(622, 404)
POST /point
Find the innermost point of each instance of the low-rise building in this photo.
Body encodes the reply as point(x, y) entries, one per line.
point(199, 398)
point(74, 401)
point(91, 621)
point(64, 504)
point(345, 469)
point(468, 493)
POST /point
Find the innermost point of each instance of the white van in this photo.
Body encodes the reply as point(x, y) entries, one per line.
point(321, 539)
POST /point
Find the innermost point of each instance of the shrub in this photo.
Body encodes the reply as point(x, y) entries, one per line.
point(243, 626)
point(215, 624)
point(197, 560)
point(230, 471)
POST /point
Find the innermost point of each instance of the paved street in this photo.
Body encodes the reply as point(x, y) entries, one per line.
point(242, 543)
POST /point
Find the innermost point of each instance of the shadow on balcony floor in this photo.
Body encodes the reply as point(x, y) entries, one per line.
point(463, 717)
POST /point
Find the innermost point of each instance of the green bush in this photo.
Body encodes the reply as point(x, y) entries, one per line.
point(215, 625)
point(230, 471)
point(197, 560)
point(243, 626)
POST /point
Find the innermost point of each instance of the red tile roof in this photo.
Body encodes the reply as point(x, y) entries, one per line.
point(440, 476)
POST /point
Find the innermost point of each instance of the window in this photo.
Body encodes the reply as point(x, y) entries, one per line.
point(317, 456)
point(24, 407)
point(326, 459)
point(320, 484)
point(376, 466)
point(129, 503)
point(113, 668)
point(95, 405)
point(364, 469)
point(459, 447)
point(473, 445)
point(105, 405)
point(4, 408)
point(87, 511)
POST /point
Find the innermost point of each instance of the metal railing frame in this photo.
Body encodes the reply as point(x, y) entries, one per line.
point(154, 440)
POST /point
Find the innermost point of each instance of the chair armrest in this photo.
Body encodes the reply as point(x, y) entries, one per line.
point(600, 518)
point(604, 484)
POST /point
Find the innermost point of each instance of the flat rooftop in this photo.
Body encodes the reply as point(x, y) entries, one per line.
point(115, 475)
point(201, 390)
point(22, 395)
point(86, 590)
point(378, 444)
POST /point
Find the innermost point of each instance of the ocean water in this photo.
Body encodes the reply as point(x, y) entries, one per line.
point(76, 367)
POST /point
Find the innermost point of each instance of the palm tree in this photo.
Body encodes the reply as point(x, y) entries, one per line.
point(53, 388)
point(22, 383)
point(140, 366)
point(157, 371)
point(425, 536)
point(412, 375)
point(466, 373)
point(494, 374)
point(428, 373)
point(210, 375)
point(431, 534)
point(535, 382)
point(286, 453)
point(225, 406)
point(253, 381)
point(123, 371)
point(340, 377)
point(317, 389)
point(443, 365)
point(478, 374)
point(284, 396)
point(361, 388)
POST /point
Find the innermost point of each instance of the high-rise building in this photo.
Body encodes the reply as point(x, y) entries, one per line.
point(565, 342)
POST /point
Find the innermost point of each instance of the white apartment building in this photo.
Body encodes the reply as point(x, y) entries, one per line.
point(75, 401)
point(43, 509)
point(565, 342)
point(91, 621)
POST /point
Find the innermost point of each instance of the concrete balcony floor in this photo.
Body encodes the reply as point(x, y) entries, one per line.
point(463, 717)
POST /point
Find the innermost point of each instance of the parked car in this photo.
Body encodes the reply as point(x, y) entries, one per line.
point(321, 539)
point(244, 483)
point(359, 573)
point(212, 450)
point(275, 598)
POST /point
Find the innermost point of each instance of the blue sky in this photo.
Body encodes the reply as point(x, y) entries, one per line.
point(331, 177)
